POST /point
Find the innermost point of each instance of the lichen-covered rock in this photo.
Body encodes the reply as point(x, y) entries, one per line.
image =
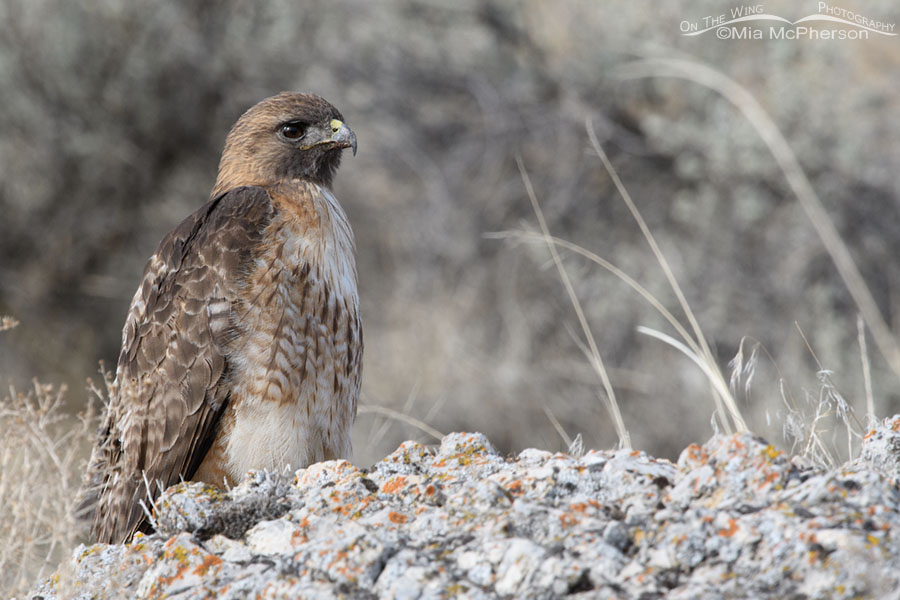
point(881, 448)
point(205, 510)
point(735, 518)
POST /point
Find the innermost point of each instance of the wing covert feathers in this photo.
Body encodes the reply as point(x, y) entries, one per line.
point(170, 379)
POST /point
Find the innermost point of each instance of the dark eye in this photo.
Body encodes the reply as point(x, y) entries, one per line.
point(292, 131)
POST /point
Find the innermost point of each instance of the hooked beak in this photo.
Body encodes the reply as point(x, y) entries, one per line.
point(342, 136)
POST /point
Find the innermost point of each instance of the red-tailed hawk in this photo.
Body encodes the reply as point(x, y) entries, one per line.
point(242, 346)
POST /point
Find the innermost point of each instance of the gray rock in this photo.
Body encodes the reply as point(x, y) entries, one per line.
point(735, 518)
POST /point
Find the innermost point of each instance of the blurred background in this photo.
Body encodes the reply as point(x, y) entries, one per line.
point(113, 115)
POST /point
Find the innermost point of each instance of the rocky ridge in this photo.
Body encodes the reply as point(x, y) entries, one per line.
point(734, 518)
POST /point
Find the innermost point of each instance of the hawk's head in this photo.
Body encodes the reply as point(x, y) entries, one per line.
point(288, 136)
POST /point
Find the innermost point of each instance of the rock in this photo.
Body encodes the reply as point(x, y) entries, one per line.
point(881, 448)
point(734, 518)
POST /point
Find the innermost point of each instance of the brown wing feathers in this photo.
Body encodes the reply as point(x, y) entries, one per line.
point(172, 366)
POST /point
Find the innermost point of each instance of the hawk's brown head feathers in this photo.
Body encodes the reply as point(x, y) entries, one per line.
point(285, 137)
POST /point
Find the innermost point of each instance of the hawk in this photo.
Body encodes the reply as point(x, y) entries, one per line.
point(242, 346)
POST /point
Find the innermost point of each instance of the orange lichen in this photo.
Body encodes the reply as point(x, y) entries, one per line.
point(732, 529)
point(394, 484)
point(179, 554)
point(515, 487)
point(210, 560)
point(568, 520)
point(298, 537)
point(769, 478)
point(395, 517)
point(694, 451)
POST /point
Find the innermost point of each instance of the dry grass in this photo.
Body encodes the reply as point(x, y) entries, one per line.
point(802, 425)
point(591, 352)
point(796, 177)
point(43, 454)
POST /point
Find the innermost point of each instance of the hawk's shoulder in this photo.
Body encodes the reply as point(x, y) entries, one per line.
point(203, 258)
point(233, 220)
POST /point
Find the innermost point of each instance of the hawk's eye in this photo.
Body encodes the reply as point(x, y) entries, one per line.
point(292, 131)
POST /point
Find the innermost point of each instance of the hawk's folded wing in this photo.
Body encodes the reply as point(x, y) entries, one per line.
point(171, 378)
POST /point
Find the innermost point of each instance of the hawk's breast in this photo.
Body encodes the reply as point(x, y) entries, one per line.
point(295, 359)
